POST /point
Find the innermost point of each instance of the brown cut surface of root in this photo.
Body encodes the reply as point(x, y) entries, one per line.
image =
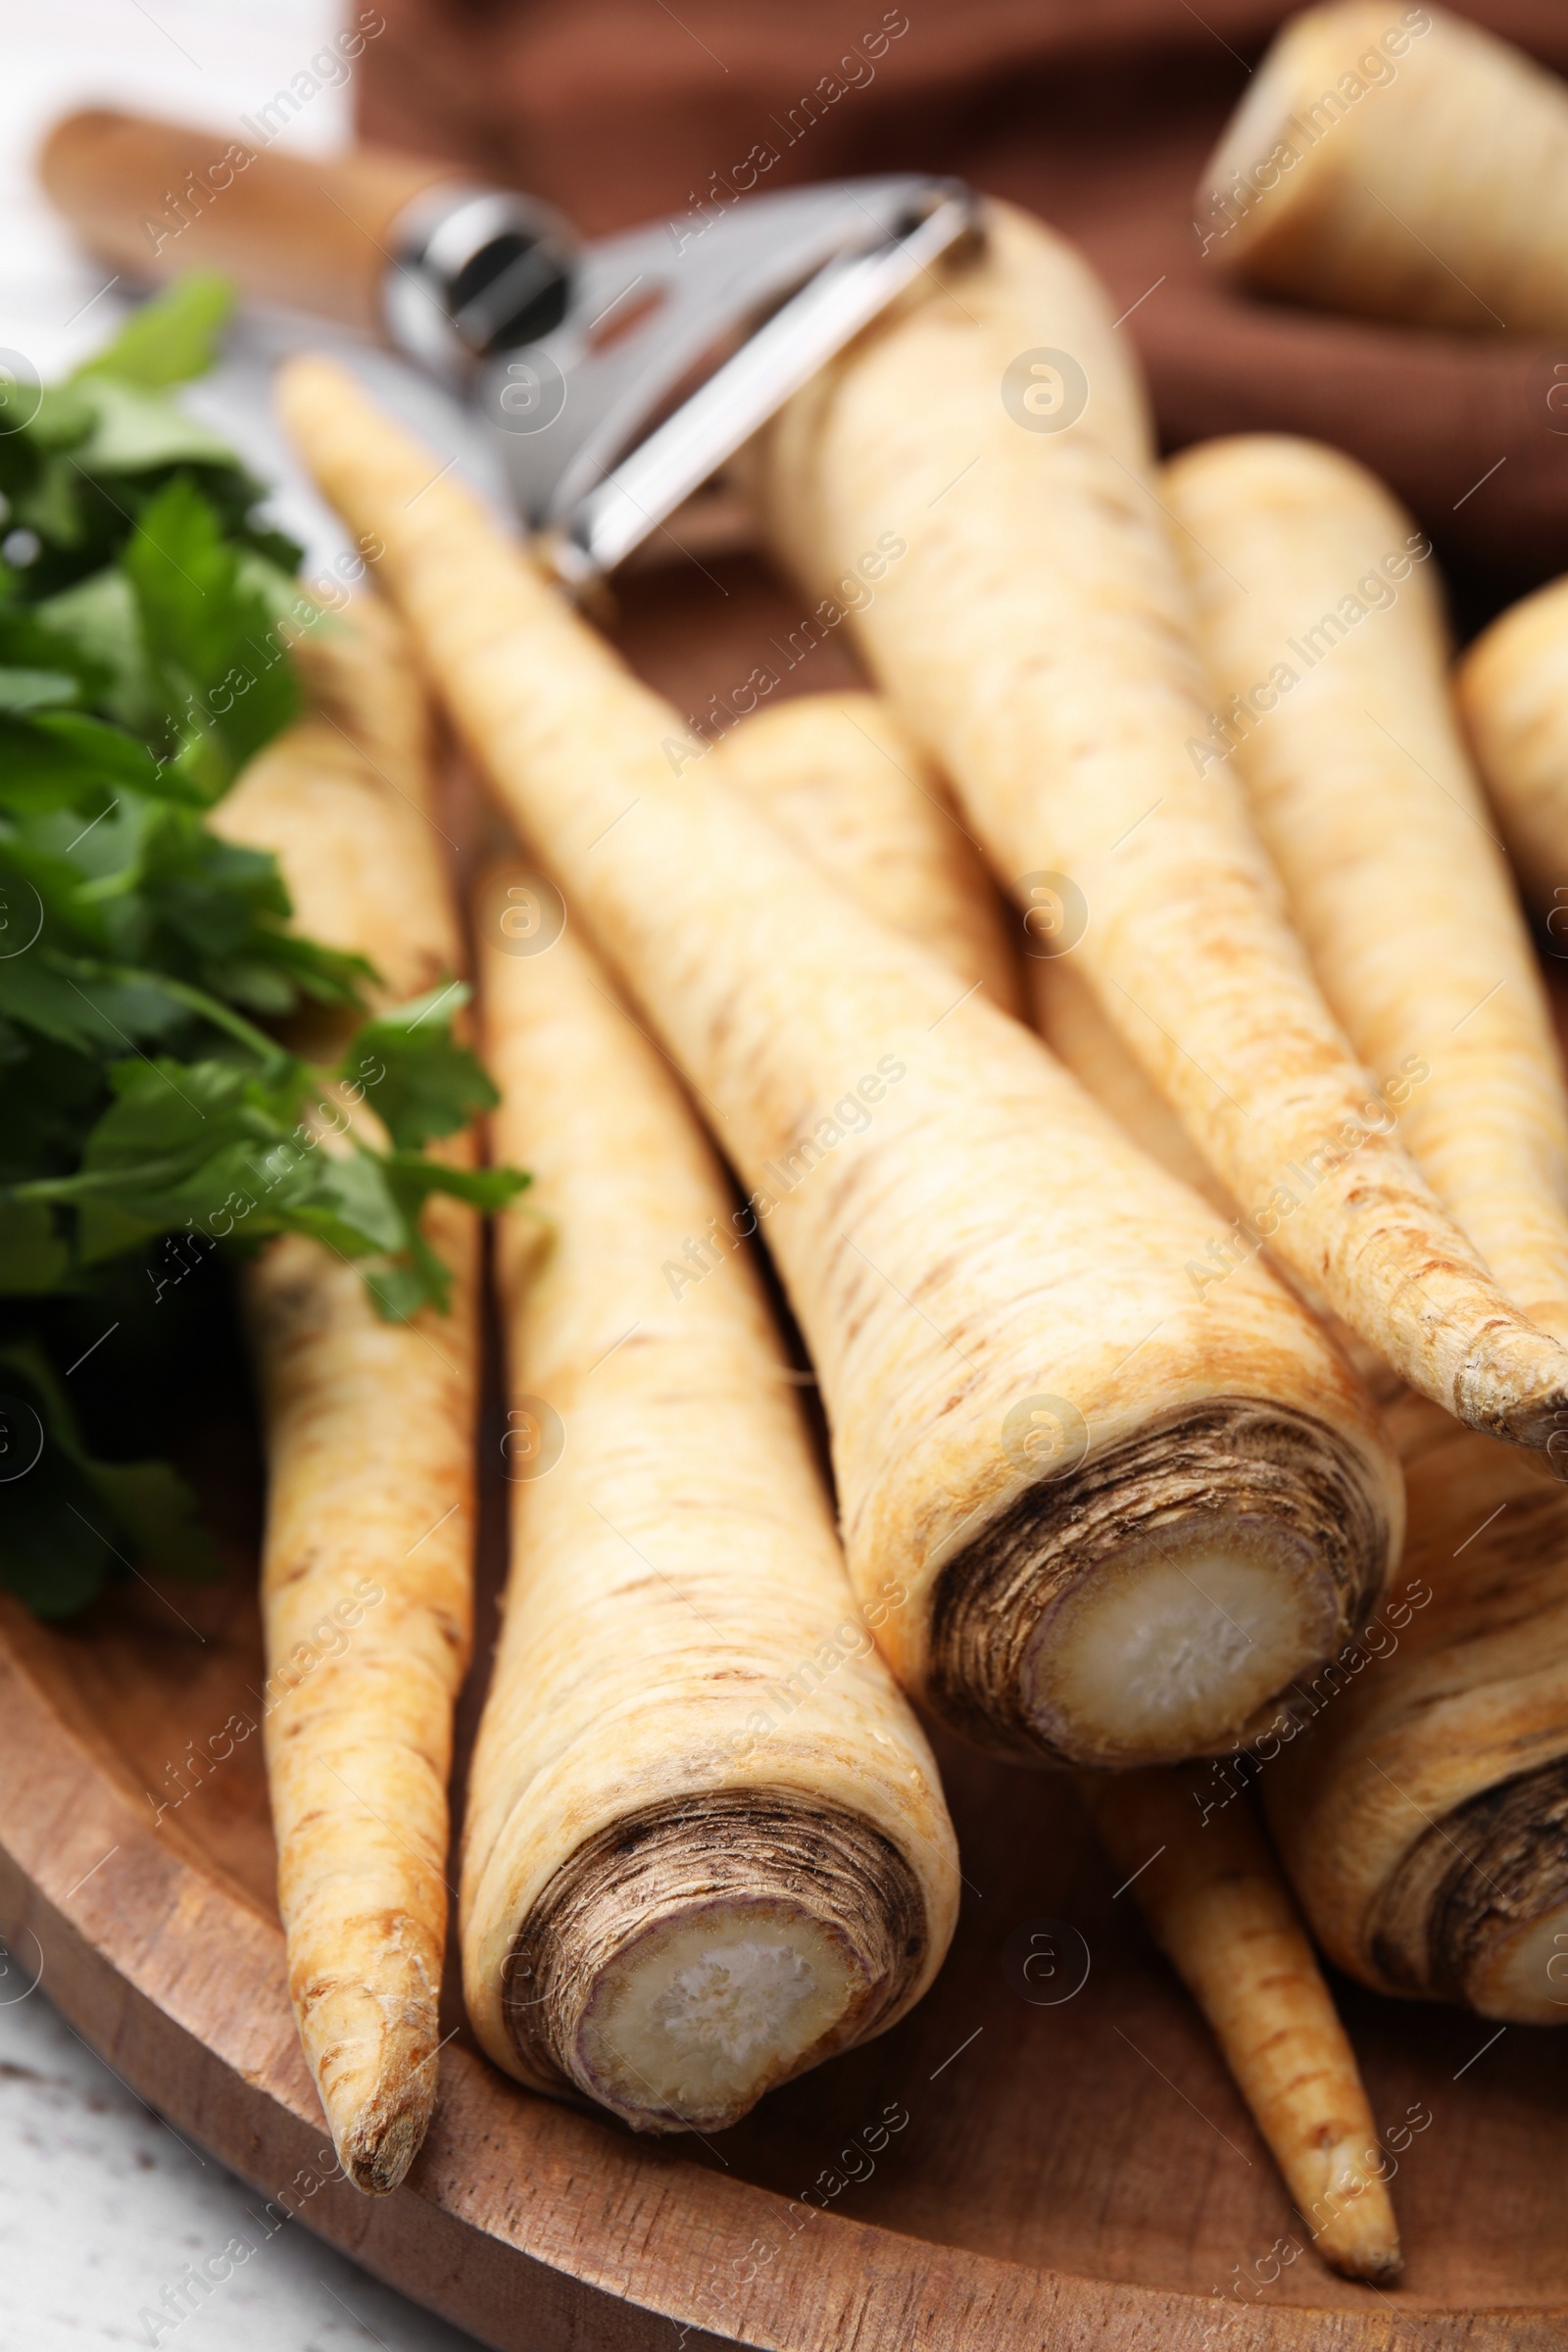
point(1484, 1895)
point(1117, 1616)
point(654, 1974)
point(1421, 1809)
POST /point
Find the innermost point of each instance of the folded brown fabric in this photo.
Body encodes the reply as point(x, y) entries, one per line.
point(1099, 118)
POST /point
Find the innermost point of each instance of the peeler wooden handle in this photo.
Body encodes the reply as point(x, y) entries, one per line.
point(158, 199)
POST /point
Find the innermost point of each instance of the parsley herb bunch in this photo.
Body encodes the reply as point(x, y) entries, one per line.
point(145, 1112)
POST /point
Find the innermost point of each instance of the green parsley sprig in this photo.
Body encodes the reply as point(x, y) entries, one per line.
point(144, 1109)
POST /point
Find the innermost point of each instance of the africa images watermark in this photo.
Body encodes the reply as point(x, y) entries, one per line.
point(1248, 1235)
point(854, 70)
point(330, 1640)
point(184, 2296)
point(719, 2288)
point(1230, 1777)
point(1248, 2281)
point(329, 70)
point(1376, 592)
point(783, 1693)
point(852, 594)
point(1374, 69)
point(850, 1116)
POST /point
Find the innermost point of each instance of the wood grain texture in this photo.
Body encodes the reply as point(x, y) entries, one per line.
point(162, 198)
point(1070, 2175)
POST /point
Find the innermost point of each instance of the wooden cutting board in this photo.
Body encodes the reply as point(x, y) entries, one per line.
point(1048, 2153)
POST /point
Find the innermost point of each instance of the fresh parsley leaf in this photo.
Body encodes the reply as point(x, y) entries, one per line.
point(242, 1147)
point(221, 669)
point(134, 431)
point(23, 690)
point(57, 759)
point(33, 1257)
point(170, 339)
point(427, 1085)
point(97, 621)
point(67, 1518)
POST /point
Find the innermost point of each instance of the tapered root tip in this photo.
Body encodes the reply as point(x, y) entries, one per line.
point(1156, 1602)
point(689, 1958)
point(376, 2076)
point(1360, 2239)
point(377, 2144)
point(1376, 2262)
point(1514, 1385)
point(378, 2167)
point(307, 387)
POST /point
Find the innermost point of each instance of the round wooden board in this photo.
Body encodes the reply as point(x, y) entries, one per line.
point(1000, 2173)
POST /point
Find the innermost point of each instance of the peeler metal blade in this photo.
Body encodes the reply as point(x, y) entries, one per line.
point(678, 343)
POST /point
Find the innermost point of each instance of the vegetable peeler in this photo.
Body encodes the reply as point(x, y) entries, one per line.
point(618, 375)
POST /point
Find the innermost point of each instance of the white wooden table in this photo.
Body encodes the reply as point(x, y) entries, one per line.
point(102, 2206)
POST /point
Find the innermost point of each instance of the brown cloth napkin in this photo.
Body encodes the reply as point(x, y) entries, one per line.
point(1097, 116)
